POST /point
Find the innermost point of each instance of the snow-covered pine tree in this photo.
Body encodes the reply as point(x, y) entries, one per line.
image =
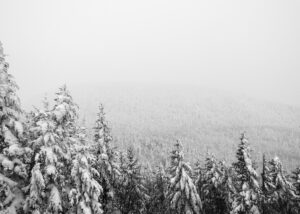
point(295, 179)
point(65, 113)
point(157, 187)
point(280, 193)
point(248, 191)
point(54, 139)
point(85, 194)
point(130, 192)
point(106, 160)
point(44, 194)
point(182, 193)
point(211, 182)
point(14, 155)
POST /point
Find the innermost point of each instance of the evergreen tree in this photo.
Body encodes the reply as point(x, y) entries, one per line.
point(182, 193)
point(248, 191)
point(65, 114)
point(157, 187)
point(279, 192)
point(54, 141)
point(296, 183)
point(106, 160)
point(14, 155)
point(46, 180)
point(131, 192)
point(86, 192)
point(212, 186)
point(296, 179)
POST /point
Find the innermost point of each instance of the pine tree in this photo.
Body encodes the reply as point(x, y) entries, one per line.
point(280, 192)
point(212, 186)
point(296, 183)
point(65, 113)
point(131, 192)
point(182, 193)
point(248, 191)
point(157, 187)
point(86, 192)
point(14, 153)
point(106, 160)
point(45, 181)
point(54, 141)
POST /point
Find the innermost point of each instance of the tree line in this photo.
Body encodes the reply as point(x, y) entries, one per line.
point(48, 164)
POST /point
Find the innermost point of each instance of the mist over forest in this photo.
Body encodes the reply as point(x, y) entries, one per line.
point(206, 120)
point(149, 107)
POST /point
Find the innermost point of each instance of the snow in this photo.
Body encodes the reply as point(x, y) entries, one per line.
point(54, 200)
point(7, 164)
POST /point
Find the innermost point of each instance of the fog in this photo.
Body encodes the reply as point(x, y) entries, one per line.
point(249, 47)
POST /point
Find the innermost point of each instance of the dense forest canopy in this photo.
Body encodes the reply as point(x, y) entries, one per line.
point(51, 163)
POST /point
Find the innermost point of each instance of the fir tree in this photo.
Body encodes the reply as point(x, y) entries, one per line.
point(248, 191)
point(54, 139)
point(296, 183)
point(182, 193)
point(86, 192)
point(279, 192)
point(131, 192)
point(106, 162)
point(212, 186)
point(46, 179)
point(65, 113)
point(14, 154)
point(157, 187)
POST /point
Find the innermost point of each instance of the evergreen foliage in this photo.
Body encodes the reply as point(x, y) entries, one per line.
point(278, 190)
point(14, 153)
point(212, 186)
point(182, 194)
point(131, 192)
point(106, 160)
point(157, 184)
point(246, 200)
point(86, 192)
point(49, 164)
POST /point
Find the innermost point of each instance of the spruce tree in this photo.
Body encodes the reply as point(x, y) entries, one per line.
point(44, 194)
point(54, 141)
point(295, 179)
point(131, 193)
point(106, 160)
point(65, 114)
point(182, 193)
point(279, 192)
point(14, 153)
point(157, 187)
point(248, 191)
point(212, 186)
point(86, 192)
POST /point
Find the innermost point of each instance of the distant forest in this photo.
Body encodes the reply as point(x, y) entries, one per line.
point(50, 163)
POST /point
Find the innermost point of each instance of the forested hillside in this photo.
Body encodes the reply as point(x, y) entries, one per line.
point(206, 120)
point(157, 160)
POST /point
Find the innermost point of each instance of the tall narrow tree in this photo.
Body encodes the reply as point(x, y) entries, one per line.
point(106, 160)
point(280, 193)
point(14, 155)
point(248, 191)
point(211, 183)
point(86, 192)
point(182, 193)
point(131, 192)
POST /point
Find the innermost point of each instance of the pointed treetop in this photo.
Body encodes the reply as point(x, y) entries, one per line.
point(1, 50)
point(177, 153)
point(243, 138)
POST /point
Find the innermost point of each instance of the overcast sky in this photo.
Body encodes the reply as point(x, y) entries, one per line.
point(251, 47)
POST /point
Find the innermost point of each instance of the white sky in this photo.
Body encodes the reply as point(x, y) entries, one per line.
point(251, 47)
